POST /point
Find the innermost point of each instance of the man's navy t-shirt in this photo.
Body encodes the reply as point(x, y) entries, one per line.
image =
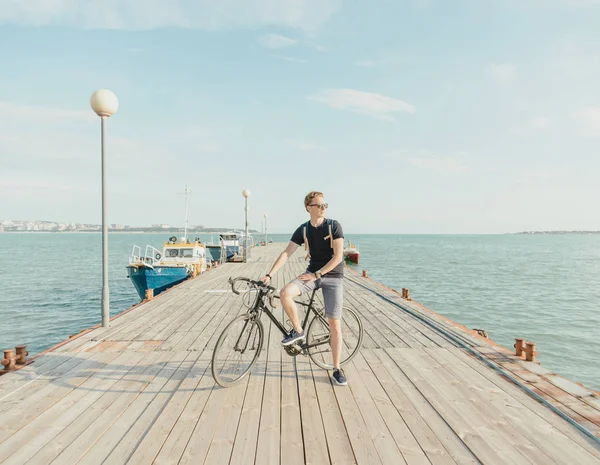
point(320, 248)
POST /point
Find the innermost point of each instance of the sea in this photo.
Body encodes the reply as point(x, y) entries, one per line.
point(542, 287)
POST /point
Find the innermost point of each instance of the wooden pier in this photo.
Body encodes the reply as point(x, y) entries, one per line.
point(141, 391)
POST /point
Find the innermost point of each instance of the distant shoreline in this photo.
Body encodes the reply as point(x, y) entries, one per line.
point(558, 232)
point(119, 231)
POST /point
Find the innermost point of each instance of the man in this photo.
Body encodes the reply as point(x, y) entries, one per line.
point(324, 239)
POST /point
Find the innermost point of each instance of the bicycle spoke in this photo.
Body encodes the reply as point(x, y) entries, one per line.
point(318, 337)
point(236, 351)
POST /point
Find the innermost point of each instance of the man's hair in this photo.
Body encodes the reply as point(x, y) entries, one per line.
point(311, 195)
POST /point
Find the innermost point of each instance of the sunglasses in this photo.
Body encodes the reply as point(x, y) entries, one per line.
point(320, 205)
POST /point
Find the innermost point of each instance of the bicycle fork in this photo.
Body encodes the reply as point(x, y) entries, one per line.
point(253, 332)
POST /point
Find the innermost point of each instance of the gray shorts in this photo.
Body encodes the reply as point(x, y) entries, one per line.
point(333, 293)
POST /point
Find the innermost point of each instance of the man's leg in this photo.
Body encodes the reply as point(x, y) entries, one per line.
point(335, 328)
point(287, 295)
point(333, 297)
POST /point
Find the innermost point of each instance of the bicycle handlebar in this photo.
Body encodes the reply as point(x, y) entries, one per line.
point(259, 284)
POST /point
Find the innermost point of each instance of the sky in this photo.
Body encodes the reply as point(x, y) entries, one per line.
point(412, 116)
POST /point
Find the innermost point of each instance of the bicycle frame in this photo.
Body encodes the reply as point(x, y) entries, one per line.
point(260, 305)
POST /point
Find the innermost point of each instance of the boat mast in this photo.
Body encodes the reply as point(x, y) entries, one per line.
point(187, 192)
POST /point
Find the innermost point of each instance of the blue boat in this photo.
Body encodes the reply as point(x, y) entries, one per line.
point(231, 246)
point(178, 261)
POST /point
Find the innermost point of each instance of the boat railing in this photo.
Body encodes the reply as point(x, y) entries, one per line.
point(135, 256)
point(152, 255)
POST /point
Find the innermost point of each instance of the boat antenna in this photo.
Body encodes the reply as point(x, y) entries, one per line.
point(187, 194)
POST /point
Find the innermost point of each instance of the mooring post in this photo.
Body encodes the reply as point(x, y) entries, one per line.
point(21, 354)
point(519, 346)
point(9, 360)
point(530, 351)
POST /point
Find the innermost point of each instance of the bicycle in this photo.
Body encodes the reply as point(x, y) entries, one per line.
point(240, 343)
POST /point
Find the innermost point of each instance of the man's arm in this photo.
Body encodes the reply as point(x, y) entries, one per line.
point(338, 256)
point(287, 253)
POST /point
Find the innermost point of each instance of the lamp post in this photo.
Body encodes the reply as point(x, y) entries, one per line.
point(105, 104)
point(266, 230)
point(246, 194)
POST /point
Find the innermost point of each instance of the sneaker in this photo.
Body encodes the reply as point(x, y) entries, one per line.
point(294, 336)
point(339, 378)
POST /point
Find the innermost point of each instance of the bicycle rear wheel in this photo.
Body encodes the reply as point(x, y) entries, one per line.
point(237, 350)
point(318, 333)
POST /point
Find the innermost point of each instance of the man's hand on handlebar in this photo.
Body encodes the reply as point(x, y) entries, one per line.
point(265, 279)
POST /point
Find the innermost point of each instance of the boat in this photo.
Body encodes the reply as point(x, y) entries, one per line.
point(351, 253)
point(232, 246)
point(179, 260)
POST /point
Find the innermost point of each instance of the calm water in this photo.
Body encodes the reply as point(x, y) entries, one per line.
point(543, 288)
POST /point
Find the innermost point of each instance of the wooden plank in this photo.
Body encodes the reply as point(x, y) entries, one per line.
point(540, 410)
point(375, 426)
point(426, 439)
point(191, 422)
point(199, 442)
point(580, 411)
point(471, 420)
point(22, 445)
point(152, 442)
point(426, 335)
point(313, 432)
point(381, 336)
point(181, 364)
point(364, 449)
point(338, 444)
point(36, 386)
point(518, 416)
point(71, 443)
point(371, 310)
point(120, 438)
point(244, 447)
point(292, 445)
point(269, 435)
point(412, 399)
point(375, 399)
point(174, 317)
point(54, 392)
point(141, 316)
point(221, 445)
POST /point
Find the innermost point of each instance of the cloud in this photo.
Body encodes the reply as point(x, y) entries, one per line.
point(589, 119)
point(539, 123)
point(302, 144)
point(277, 41)
point(295, 60)
point(366, 63)
point(553, 3)
point(427, 159)
point(367, 103)
point(504, 72)
point(135, 15)
point(32, 113)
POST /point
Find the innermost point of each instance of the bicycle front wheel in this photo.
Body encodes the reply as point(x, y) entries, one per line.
point(318, 337)
point(237, 350)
